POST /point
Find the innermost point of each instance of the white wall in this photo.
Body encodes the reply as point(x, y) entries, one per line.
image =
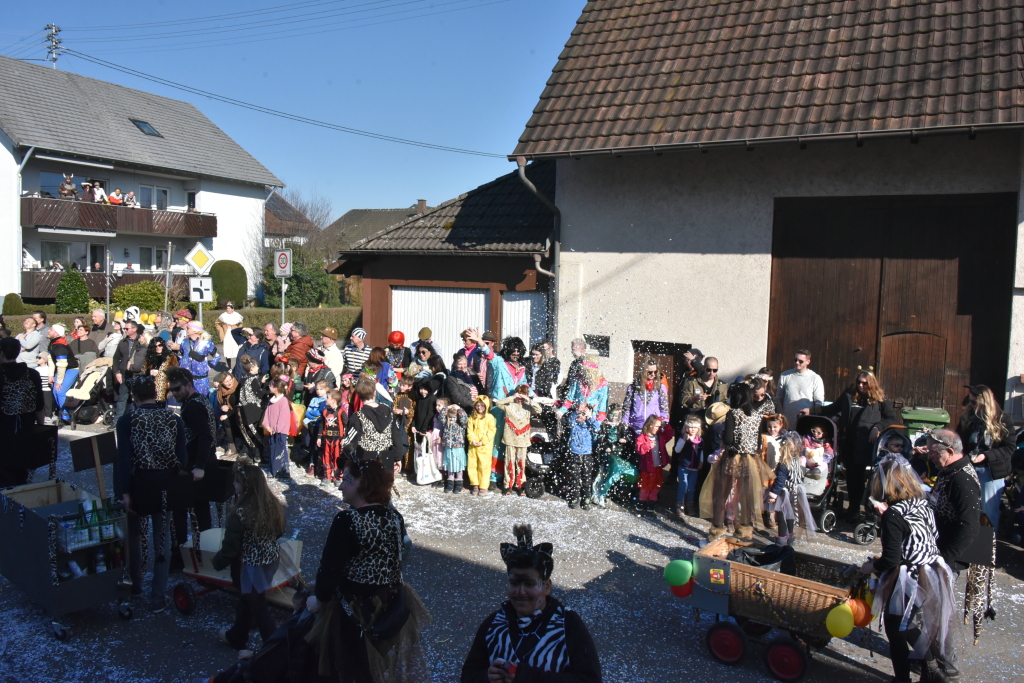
point(239, 210)
point(10, 225)
point(677, 248)
point(116, 244)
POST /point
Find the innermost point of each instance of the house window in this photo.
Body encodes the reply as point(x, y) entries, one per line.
point(145, 258)
point(161, 259)
point(162, 194)
point(146, 128)
point(599, 344)
point(190, 200)
point(55, 252)
point(146, 196)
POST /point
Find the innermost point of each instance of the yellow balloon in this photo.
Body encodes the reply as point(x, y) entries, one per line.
point(839, 621)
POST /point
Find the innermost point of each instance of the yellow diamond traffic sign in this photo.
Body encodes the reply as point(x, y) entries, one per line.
point(200, 258)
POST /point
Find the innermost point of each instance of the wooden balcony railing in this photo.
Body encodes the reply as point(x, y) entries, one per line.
point(42, 284)
point(65, 213)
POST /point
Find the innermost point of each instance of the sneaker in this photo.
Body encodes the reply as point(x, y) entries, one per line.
point(599, 501)
point(522, 492)
point(475, 491)
point(573, 505)
point(507, 492)
point(407, 541)
point(584, 505)
point(158, 605)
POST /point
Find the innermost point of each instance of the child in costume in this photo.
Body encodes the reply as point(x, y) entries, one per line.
point(311, 421)
point(518, 409)
point(330, 438)
point(453, 439)
point(437, 430)
point(590, 388)
point(653, 455)
point(480, 432)
point(787, 498)
point(580, 427)
point(773, 427)
point(612, 443)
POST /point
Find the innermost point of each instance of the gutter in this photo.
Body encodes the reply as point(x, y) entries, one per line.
point(556, 251)
point(913, 134)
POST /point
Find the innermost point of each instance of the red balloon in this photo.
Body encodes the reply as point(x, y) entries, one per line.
point(683, 591)
point(861, 612)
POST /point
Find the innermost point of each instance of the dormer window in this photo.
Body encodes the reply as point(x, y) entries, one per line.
point(146, 128)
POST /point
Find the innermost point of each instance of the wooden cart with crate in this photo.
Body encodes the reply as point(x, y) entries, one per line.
point(759, 600)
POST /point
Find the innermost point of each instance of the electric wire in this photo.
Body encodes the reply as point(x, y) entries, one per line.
point(274, 112)
point(273, 9)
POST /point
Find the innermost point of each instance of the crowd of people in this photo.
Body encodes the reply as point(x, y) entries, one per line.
point(745, 455)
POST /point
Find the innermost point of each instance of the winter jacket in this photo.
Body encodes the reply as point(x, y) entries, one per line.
point(956, 499)
point(689, 454)
point(130, 357)
point(298, 350)
point(369, 434)
point(517, 421)
point(504, 376)
point(277, 417)
point(596, 398)
point(460, 388)
point(581, 433)
point(316, 408)
point(645, 448)
point(481, 428)
point(855, 445)
point(998, 455)
point(718, 393)
point(423, 417)
point(258, 352)
point(542, 379)
point(454, 435)
point(608, 439)
point(782, 479)
point(640, 403)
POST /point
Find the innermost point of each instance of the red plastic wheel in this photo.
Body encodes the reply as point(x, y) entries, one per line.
point(786, 660)
point(184, 598)
point(726, 642)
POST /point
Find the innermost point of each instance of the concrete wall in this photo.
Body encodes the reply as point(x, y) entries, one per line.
point(677, 248)
point(10, 226)
point(240, 217)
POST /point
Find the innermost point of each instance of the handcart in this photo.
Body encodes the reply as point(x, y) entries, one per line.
point(759, 600)
point(59, 560)
point(198, 567)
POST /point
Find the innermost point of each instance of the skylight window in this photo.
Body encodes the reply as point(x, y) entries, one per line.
point(146, 128)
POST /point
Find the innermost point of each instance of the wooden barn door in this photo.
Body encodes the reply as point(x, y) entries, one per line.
point(917, 288)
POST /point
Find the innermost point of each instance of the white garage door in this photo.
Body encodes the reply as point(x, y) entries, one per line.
point(524, 315)
point(447, 311)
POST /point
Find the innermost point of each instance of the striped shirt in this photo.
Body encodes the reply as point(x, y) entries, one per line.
point(355, 358)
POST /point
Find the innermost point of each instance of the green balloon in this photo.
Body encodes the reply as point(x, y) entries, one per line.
point(678, 572)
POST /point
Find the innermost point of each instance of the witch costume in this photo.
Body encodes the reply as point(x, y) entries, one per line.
point(551, 645)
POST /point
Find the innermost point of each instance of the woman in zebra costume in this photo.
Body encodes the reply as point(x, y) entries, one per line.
point(915, 588)
point(533, 636)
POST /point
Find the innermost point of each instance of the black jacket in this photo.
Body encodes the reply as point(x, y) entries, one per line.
point(130, 357)
point(543, 379)
point(997, 458)
point(956, 498)
point(854, 442)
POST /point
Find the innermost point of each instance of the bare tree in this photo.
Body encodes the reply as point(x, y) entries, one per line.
point(314, 206)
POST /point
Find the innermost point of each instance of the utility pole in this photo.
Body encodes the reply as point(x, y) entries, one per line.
point(53, 37)
point(167, 281)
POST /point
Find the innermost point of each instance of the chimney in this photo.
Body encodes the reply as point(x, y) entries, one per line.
point(421, 205)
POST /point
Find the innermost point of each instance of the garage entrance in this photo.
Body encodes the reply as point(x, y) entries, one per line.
point(918, 288)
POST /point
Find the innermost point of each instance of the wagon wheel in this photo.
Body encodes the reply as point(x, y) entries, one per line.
point(864, 533)
point(754, 629)
point(184, 598)
point(60, 632)
point(727, 641)
point(534, 487)
point(786, 660)
point(827, 520)
point(125, 611)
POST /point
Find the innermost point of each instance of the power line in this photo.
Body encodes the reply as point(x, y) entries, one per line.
point(292, 33)
point(275, 112)
point(213, 17)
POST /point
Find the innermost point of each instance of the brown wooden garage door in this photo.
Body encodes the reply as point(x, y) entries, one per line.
point(918, 288)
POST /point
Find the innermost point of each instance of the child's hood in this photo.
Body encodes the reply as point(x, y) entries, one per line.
point(482, 399)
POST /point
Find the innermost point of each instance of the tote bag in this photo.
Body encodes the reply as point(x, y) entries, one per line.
point(423, 463)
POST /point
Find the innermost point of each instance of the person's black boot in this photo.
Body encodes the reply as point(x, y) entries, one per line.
point(458, 486)
point(449, 485)
point(584, 504)
point(931, 673)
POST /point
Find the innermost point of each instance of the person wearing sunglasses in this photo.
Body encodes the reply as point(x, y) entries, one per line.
point(646, 396)
point(701, 391)
point(800, 389)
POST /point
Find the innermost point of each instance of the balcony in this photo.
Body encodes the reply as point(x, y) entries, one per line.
point(65, 213)
point(42, 284)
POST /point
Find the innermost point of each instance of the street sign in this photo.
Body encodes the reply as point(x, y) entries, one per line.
point(200, 258)
point(283, 263)
point(200, 290)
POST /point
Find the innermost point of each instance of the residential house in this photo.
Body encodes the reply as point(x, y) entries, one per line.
point(192, 183)
point(756, 177)
point(356, 224)
point(284, 224)
point(470, 262)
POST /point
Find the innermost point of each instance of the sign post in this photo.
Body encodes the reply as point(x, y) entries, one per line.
point(283, 270)
point(201, 260)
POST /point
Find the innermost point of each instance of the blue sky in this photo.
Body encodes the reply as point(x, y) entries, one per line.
point(460, 73)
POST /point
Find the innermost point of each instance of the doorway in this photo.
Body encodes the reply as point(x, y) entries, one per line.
point(671, 364)
point(98, 255)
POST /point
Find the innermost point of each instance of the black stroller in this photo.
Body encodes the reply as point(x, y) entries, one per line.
point(93, 395)
point(893, 439)
point(822, 498)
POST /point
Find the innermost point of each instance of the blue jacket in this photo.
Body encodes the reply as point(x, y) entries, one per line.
point(581, 434)
point(781, 477)
point(315, 409)
point(258, 352)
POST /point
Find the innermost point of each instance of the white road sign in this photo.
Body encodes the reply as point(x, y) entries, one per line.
point(200, 289)
point(283, 263)
point(200, 258)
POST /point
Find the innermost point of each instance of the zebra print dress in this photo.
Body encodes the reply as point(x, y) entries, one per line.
point(538, 640)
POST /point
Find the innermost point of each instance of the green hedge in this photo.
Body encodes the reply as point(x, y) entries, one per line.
point(230, 282)
point(148, 295)
point(13, 305)
point(72, 293)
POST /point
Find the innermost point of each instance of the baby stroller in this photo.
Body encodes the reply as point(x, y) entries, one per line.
point(93, 395)
point(893, 439)
point(822, 493)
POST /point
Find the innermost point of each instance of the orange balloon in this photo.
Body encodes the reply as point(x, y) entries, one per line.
point(861, 612)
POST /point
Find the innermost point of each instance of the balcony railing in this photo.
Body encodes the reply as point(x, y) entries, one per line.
point(66, 213)
point(42, 284)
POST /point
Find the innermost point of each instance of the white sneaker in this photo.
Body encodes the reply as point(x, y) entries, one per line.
point(599, 502)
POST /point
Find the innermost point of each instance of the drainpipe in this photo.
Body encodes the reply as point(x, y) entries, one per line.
point(21, 167)
point(556, 251)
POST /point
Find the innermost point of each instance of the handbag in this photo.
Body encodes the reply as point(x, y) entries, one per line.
point(297, 413)
point(393, 619)
point(424, 465)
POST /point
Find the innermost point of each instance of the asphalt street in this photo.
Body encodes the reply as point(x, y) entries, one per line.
point(608, 568)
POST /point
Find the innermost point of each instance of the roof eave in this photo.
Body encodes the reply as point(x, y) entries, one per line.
point(342, 255)
point(969, 129)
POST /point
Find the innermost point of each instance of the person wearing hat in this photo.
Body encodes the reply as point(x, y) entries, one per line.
point(476, 354)
point(426, 335)
point(63, 365)
point(129, 361)
point(333, 358)
point(356, 352)
point(178, 333)
point(397, 354)
point(532, 636)
point(196, 352)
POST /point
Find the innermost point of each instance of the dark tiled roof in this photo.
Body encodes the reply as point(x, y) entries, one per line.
point(639, 73)
point(284, 219)
point(501, 216)
point(357, 224)
point(59, 111)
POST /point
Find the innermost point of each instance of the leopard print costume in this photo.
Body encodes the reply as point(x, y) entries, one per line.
point(210, 418)
point(372, 440)
point(257, 551)
point(154, 435)
point(379, 561)
point(18, 396)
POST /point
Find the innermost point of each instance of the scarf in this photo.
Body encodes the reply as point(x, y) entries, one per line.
point(223, 395)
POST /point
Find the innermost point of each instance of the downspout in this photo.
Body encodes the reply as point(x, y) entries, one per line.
point(556, 251)
point(18, 248)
